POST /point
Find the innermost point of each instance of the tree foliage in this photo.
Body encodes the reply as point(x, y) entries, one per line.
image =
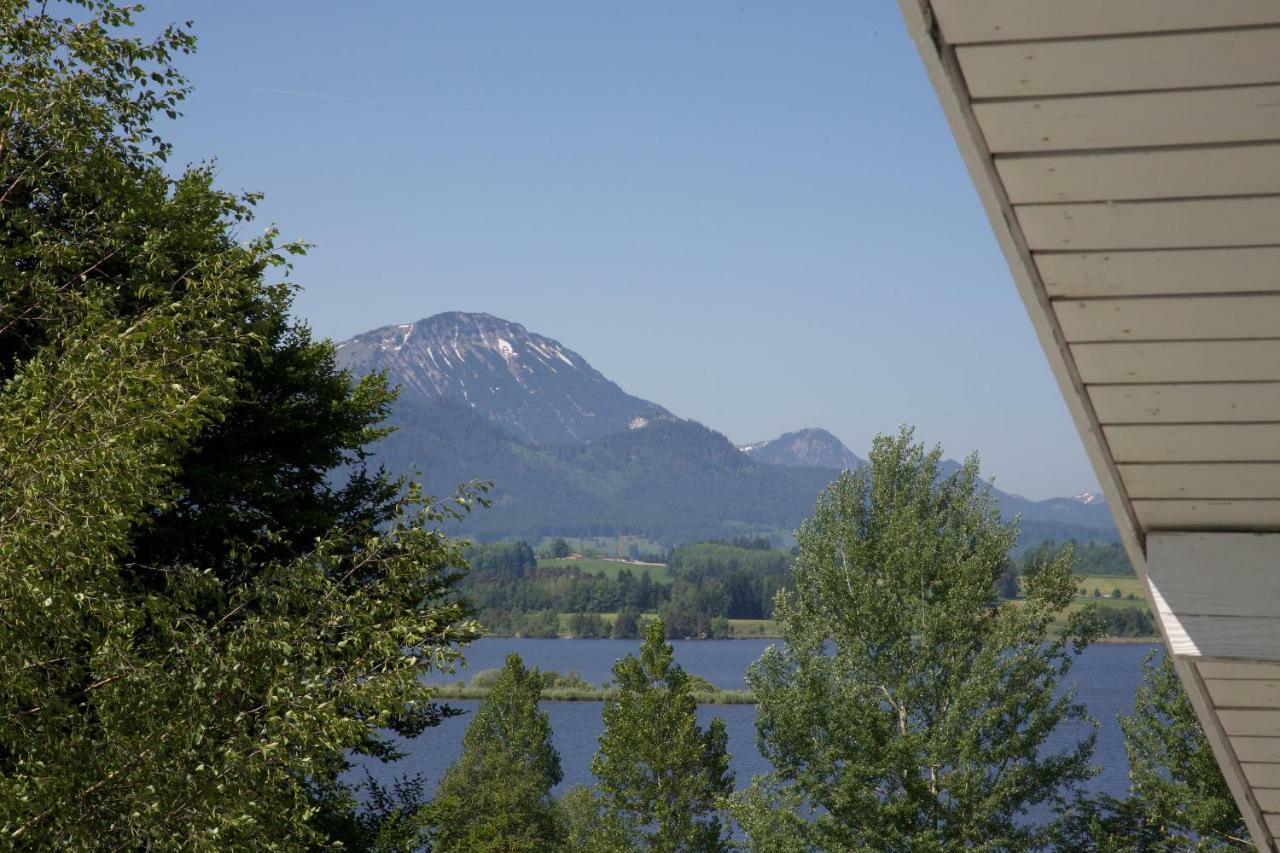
point(1092, 558)
point(589, 825)
point(498, 795)
point(1175, 779)
point(660, 775)
point(135, 715)
point(907, 708)
point(197, 627)
point(1178, 799)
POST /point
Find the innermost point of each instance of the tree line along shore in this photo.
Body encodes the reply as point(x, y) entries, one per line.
point(725, 590)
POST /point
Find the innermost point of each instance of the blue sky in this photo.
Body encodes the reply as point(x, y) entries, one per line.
point(751, 213)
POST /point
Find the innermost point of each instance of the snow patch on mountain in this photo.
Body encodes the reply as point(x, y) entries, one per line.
point(538, 389)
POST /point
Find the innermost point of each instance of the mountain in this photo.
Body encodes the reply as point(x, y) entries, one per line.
point(1052, 519)
point(671, 480)
point(570, 453)
point(535, 388)
point(812, 448)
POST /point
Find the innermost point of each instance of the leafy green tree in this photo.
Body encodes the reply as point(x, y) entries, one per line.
point(91, 219)
point(1007, 584)
point(588, 626)
point(626, 626)
point(1177, 799)
point(1175, 780)
point(660, 775)
point(589, 826)
point(559, 548)
point(1105, 823)
point(498, 795)
point(128, 716)
point(908, 709)
point(687, 613)
point(390, 817)
point(188, 600)
point(544, 625)
point(1092, 558)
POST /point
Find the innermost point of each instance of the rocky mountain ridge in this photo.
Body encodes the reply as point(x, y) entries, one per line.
point(811, 447)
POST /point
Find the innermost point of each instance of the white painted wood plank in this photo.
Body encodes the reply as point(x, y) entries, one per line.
point(1189, 223)
point(1170, 318)
point(1256, 748)
point(964, 21)
point(1269, 802)
point(1160, 271)
point(1221, 402)
point(1178, 361)
point(1253, 723)
point(1224, 636)
point(1217, 574)
point(1194, 442)
point(1143, 120)
point(1219, 170)
point(1253, 670)
point(1238, 693)
point(1262, 775)
point(1202, 480)
point(1125, 64)
point(1208, 515)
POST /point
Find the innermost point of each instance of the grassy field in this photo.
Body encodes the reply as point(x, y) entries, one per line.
point(1106, 583)
point(657, 572)
point(753, 629)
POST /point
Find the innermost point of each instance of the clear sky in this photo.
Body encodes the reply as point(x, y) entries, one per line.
point(753, 214)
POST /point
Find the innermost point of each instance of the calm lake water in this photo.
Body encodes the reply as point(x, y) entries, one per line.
point(1104, 678)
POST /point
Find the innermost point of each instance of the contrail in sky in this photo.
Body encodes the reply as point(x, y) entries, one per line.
point(324, 97)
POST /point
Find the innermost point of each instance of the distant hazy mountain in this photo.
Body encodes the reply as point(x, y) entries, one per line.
point(571, 453)
point(534, 387)
point(813, 448)
point(1054, 518)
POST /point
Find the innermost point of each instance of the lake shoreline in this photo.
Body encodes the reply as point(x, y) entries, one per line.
point(1104, 679)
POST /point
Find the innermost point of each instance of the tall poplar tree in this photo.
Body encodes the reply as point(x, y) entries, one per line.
point(908, 709)
point(498, 794)
point(661, 776)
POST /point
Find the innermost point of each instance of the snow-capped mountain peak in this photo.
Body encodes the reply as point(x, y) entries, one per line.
point(533, 386)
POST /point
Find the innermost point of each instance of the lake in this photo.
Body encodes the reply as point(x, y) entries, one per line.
point(1104, 678)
